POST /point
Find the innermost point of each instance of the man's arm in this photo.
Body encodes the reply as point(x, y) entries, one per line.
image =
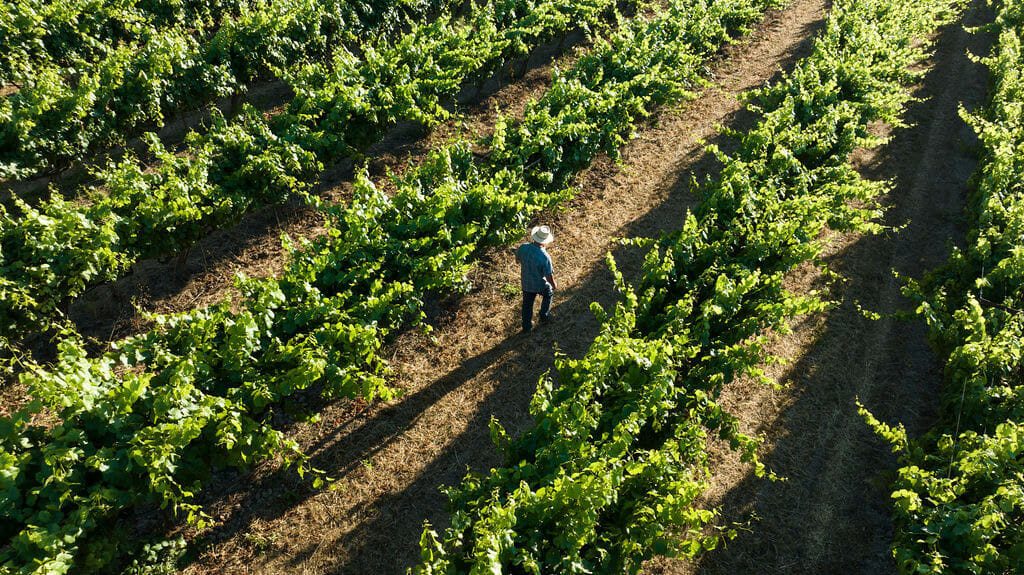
point(551, 280)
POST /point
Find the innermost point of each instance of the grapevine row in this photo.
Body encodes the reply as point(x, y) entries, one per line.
point(53, 252)
point(610, 474)
point(148, 420)
point(59, 118)
point(959, 495)
point(74, 34)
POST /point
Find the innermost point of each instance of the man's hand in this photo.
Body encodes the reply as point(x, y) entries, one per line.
point(551, 280)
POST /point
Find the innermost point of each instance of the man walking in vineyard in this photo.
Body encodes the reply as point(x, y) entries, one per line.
point(536, 275)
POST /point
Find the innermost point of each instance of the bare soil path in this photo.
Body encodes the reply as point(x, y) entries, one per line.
point(392, 459)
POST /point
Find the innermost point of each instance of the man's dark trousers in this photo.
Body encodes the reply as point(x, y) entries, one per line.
point(545, 306)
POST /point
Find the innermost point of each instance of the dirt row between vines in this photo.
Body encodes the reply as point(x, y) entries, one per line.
point(392, 459)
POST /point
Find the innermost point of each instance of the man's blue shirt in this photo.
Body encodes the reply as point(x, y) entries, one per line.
point(536, 265)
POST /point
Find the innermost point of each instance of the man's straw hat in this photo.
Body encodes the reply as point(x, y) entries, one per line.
point(542, 235)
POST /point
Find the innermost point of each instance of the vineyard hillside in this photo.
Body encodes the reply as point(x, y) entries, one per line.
point(260, 309)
